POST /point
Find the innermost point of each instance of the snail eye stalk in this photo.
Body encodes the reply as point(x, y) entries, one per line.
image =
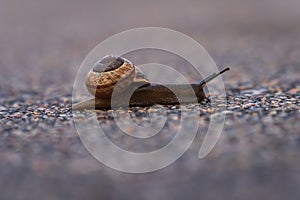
point(212, 76)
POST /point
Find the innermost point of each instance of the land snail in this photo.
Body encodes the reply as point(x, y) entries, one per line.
point(116, 75)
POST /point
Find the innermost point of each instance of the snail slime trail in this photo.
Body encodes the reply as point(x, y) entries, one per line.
point(117, 73)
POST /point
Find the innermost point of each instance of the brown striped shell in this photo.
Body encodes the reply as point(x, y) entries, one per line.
point(112, 72)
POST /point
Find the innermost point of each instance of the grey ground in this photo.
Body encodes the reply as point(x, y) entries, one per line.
point(258, 154)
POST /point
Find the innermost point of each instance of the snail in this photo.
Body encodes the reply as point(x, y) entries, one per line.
point(114, 74)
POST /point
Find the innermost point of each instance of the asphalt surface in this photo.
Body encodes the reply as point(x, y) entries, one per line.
point(257, 155)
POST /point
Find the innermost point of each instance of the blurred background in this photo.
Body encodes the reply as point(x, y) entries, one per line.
point(42, 44)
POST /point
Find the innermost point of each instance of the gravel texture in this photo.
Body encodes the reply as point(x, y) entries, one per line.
point(259, 147)
point(257, 155)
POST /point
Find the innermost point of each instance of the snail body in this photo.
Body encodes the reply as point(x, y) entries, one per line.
point(118, 76)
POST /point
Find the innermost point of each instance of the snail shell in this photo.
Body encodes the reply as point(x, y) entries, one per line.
point(116, 73)
point(112, 72)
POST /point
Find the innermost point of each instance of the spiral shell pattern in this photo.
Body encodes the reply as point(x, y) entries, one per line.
point(109, 73)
